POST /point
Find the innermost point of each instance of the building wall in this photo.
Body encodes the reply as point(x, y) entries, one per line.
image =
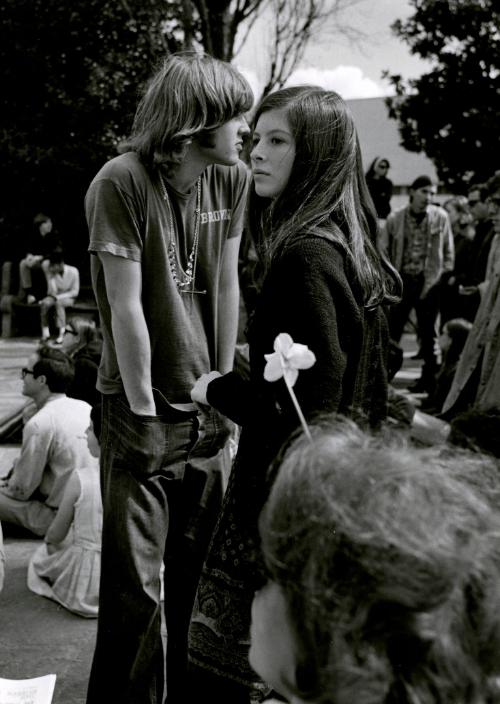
point(379, 136)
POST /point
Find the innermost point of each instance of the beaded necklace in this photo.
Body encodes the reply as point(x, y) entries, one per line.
point(183, 278)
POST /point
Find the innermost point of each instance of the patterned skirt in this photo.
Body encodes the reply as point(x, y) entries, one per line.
point(219, 636)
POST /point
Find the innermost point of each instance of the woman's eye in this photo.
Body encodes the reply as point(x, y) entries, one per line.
point(276, 140)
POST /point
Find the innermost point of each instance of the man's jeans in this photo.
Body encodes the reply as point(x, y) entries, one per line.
point(426, 310)
point(162, 483)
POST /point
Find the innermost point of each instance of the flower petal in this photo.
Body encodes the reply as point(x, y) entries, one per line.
point(291, 375)
point(273, 369)
point(301, 357)
point(282, 343)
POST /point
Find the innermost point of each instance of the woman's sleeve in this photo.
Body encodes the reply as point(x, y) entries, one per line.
point(231, 395)
point(320, 311)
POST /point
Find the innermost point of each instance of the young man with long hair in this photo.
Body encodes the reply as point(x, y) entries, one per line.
point(165, 220)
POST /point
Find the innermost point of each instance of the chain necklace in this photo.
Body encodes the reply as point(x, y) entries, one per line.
point(182, 278)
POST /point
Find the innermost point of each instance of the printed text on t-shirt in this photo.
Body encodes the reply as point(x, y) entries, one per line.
point(216, 215)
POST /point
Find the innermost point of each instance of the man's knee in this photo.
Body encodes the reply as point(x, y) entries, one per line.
point(46, 304)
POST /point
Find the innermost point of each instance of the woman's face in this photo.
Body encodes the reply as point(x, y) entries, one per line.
point(444, 340)
point(71, 339)
point(381, 168)
point(273, 647)
point(273, 153)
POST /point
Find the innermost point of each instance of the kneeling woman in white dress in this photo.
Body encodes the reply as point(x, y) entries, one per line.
point(67, 566)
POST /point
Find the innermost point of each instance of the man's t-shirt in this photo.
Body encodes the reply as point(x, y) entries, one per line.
point(128, 217)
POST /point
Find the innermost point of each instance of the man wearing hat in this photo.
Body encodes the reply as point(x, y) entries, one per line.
point(419, 242)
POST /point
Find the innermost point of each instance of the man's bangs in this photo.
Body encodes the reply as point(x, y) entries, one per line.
point(235, 98)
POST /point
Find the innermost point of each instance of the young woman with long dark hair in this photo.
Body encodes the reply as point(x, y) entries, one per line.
point(325, 285)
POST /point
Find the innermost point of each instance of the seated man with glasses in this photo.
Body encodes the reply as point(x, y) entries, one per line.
point(54, 444)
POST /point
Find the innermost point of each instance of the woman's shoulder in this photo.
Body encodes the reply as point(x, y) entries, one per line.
point(320, 250)
point(316, 263)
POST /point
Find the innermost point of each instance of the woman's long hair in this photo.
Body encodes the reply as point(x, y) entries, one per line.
point(326, 193)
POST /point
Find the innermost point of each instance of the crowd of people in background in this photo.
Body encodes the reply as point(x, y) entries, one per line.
point(310, 551)
point(450, 266)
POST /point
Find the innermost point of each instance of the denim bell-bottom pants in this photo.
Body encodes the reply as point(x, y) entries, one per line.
point(162, 479)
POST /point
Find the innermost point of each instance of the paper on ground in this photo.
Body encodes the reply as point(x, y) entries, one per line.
point(38, 690)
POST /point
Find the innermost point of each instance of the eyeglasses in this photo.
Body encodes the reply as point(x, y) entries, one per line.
point(25, 371)
point(493, 201)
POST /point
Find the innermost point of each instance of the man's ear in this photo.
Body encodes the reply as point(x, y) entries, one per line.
point(205, 139)
point(42, 379)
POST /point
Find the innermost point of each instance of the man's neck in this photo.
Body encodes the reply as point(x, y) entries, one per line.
point(44, 397)
point(418, 214)
point(184, 175)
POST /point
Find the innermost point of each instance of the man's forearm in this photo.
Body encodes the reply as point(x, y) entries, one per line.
point(72, 293)
point(228, 306)
point(229, 300)
point(27, 472)
point(133, 351)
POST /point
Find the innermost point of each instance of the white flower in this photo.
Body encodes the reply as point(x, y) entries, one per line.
point(287, 359)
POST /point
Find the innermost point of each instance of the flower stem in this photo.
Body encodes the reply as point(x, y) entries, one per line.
point(299, 410)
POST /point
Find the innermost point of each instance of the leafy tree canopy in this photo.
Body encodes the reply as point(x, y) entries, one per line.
point(452, 112)
point(68, 94)
point(73, 72)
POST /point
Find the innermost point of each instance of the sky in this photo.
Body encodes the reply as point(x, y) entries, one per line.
point(353, 69)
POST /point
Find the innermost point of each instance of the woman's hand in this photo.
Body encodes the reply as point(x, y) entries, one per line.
point(199, 390)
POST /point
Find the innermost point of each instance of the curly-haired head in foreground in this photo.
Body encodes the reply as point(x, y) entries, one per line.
point(384, 574)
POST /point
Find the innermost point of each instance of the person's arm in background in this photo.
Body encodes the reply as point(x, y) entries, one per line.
point(123, 278)
point(74, 288)
point(28, 469)
point(63, 519)
point(228, 306)
point(448, 246)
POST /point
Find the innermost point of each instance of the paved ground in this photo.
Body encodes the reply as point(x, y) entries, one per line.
point(37, 636)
